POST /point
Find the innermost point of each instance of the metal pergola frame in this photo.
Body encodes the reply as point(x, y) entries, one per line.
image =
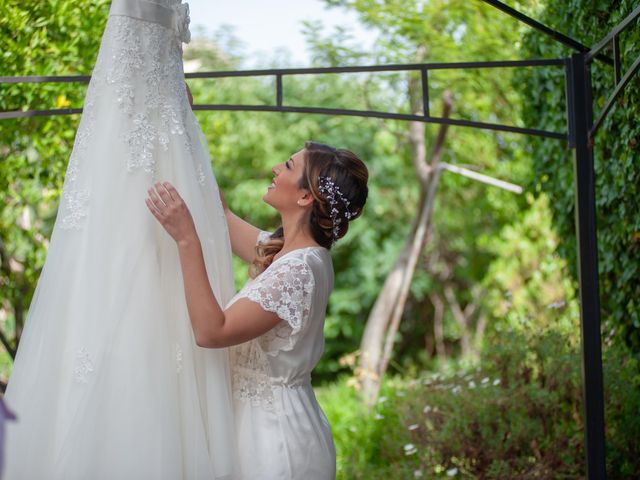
point(580, 135)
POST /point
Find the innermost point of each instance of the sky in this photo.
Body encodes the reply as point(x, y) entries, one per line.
point(266, 25)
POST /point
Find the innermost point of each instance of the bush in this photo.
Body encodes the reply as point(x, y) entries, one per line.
point(518, 415)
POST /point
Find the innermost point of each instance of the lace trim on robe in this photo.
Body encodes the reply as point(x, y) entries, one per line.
point(285, 288)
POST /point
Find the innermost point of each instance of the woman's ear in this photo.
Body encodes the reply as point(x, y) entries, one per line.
point(306, 199)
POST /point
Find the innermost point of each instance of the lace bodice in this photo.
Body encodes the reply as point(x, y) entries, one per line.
point(139, 69)
point(296, 287)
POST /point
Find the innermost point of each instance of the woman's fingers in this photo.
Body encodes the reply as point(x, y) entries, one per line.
point(167, 206)
point(155, 198)
point(152, 208)
point(161, 190)
point(173, 193)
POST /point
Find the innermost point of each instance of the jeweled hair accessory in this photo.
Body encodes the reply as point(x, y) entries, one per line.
point(332, 193)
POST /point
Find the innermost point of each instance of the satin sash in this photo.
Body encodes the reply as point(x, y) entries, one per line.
point(144, 10)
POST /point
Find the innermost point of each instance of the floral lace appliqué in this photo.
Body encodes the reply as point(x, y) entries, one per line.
point(74, 206)
point(250, 378)
point(179, 359)
point(285, 288)
point(201, 176)
point(84, 366)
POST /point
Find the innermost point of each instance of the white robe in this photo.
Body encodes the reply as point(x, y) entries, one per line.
point(282, 432)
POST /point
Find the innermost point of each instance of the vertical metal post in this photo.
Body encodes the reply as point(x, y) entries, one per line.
point(424, 80)
point(580, 113)
point(279, 90)
point(616, 59)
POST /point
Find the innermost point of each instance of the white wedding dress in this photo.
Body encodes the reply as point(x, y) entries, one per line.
point(108, 382)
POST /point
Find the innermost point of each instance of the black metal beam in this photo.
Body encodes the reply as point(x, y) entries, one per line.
point(385, 115)
point(394, 67)
point(6, 115)
point(580, 114)
point(557, 36)
point(613, 33)
point(323, 111)
point(279, 106)
point(612, 98)
point(47, 79)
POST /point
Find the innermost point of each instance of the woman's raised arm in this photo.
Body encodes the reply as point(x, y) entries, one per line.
point(243, 234)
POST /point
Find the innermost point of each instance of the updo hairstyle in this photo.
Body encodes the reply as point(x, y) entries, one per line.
point(337, 179)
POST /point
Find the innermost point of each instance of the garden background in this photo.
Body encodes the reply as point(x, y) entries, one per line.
point(484, 380)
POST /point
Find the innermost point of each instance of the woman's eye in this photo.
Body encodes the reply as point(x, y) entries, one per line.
point(287, 164)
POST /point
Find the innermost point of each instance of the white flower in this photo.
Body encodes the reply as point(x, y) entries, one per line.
point(417, 473)
point(413, 426)
point(378, 416)
point(485, 380)
point(382, 399)
point(410, 449)
point(496, 382)
point(472, 384)
point(556, 305)
point(456, 390)
point(182, 21)
point(426, 409)
point(452, 472)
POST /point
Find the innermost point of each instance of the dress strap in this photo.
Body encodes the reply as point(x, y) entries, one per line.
point(175, 18)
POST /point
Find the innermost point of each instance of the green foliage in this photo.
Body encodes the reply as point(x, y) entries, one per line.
point(467, 215)
point(616, 155)
point(528, 286)
point(519, 415)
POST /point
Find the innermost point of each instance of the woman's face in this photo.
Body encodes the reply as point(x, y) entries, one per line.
point(283, 193)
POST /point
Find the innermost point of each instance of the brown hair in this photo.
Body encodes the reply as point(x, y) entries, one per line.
point(330, 214)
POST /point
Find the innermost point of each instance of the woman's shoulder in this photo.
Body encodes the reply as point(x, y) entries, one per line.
point(315, 262)
point(313, 256)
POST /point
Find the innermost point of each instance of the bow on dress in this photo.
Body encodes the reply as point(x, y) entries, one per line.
point(181, 22)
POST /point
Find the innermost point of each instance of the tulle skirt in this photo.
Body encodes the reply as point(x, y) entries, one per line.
point(108, 382)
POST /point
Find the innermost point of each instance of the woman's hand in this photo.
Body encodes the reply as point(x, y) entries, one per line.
point(166, 204)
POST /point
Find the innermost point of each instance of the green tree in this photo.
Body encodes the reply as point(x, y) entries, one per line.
point(467, 215)
point(616, 156)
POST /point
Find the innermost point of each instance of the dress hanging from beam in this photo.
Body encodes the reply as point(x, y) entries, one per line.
point(108, 382)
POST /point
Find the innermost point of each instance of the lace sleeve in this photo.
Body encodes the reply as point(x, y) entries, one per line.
point(286, 288)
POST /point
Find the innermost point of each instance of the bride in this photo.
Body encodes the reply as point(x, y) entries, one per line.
point(108, 382)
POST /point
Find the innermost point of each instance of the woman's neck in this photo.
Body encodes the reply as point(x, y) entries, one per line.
point(295, 236)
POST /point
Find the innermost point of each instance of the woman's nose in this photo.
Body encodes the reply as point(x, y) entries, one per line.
point(274, 170)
